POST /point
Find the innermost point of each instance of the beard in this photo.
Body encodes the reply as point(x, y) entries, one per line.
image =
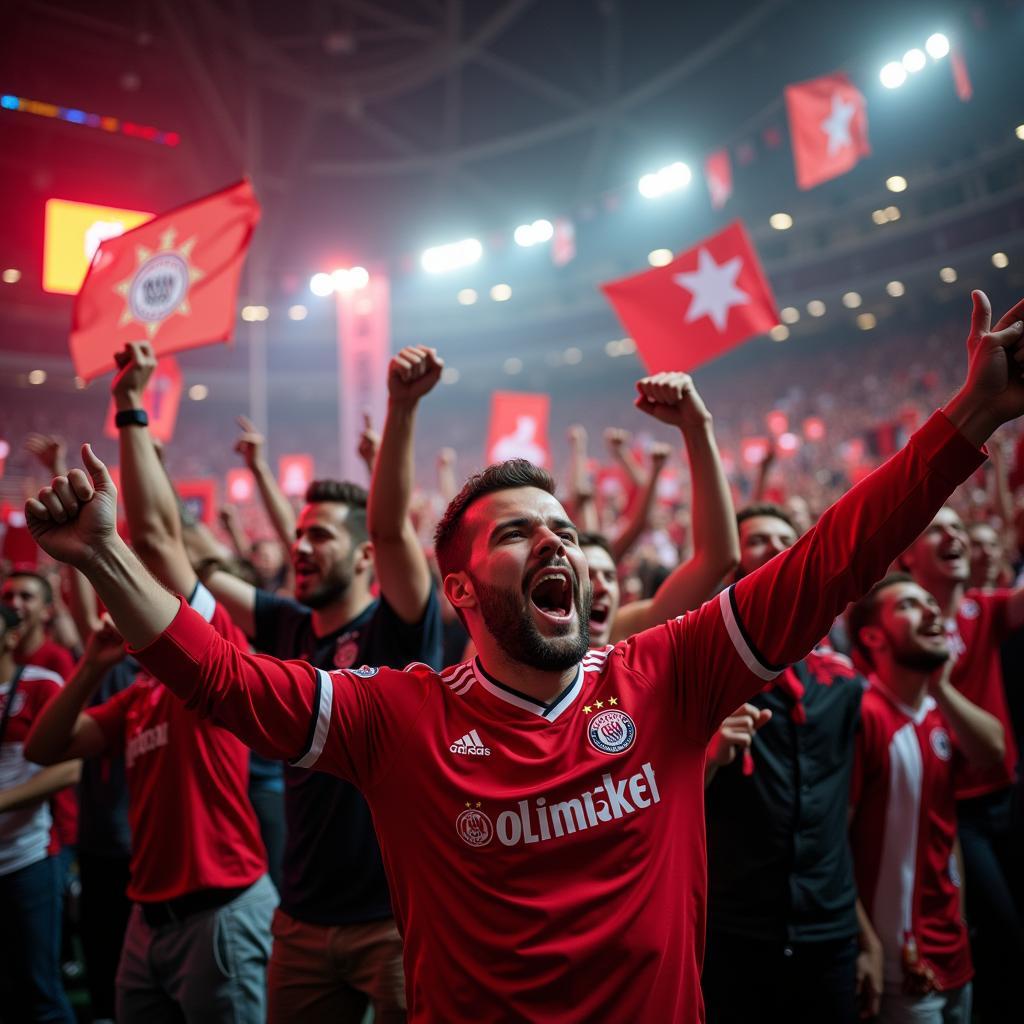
point(333, 586)
point(507, 617)
point(919, 659)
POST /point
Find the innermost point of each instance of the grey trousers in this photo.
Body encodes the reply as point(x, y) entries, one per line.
point(208, 969)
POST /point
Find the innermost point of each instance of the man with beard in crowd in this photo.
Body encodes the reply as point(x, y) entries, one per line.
point(603, 760)
point(336, 946)
point(977, 622)
point(916, 733)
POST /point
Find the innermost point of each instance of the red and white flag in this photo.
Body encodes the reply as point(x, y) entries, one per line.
point(172, 281)
point(718, 172)
point(961, 77)
point(161, 400)
point(828, 124)
point(706, 301)
point(519, 428)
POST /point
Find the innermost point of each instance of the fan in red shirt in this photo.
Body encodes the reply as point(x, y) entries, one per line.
point(917, 733)
point(540, 809)
point(977, 622)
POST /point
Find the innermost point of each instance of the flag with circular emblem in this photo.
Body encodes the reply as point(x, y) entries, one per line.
point(172, 281)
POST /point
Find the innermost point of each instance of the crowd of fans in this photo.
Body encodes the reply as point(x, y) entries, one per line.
point(863, 810)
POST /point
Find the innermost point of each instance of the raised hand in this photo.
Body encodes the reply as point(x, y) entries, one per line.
point(369, 442)
point(105, 647)
point(995, 374)
point(50, 451)
point(75, 519)
point(616, 439)
point(251, 443)
point(659, 454)
point(413, 372)
point(136, 363)
point(673, 399)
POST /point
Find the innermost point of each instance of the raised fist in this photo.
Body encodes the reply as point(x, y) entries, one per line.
point(49, 450)
point(369, 442)
point(672, 398)
point(413, 372)
point(136, 364)
point(250, 443)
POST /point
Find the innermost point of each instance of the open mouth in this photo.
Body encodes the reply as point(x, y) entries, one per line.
point(304, 572)
point(599, 614)
point(551, 593)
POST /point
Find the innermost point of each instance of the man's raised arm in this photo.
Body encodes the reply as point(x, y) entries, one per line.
point(777, 614)
point(267, 703)
point(398, 557)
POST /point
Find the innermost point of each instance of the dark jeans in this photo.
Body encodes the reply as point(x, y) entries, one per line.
point(995, 918)
point(104, 910)
point(30, 983)
point(269, 807)
point(746, 981)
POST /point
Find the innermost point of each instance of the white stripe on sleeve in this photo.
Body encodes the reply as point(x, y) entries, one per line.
point(323, 722)
point(748, 657)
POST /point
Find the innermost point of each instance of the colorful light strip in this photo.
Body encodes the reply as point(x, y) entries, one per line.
point(108, 124)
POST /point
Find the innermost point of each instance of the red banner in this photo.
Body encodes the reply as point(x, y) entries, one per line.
point(5, 450)
point(18, 547)
point(160, 400)
point(240, 486)
point(828, 124)
point(173, 281)
point(295, 474)
point(199, 496)
point(519, 428)
point(364, 350)
point(706, 301)
point(718, 172)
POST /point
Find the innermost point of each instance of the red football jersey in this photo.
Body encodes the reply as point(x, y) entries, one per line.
point(55, 658)
point(902, 835)
point(24, 833)
point(975, 635)
point(547, 862)
point(192, 824)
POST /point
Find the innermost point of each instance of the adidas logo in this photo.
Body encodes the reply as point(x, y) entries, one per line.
point(470, 744)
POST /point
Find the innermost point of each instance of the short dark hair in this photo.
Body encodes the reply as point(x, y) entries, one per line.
point(865, 611)
point(343, 492)
point(765, 508)
point(595, 540)
point(449, 547)
point(44, 583)
point(9, 617)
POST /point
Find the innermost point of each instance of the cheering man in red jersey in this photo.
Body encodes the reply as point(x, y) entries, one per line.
point(540, 810)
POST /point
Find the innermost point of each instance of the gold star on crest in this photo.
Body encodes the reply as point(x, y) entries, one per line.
point(472, 806)
point(598, 703)
point(587, 709)
point(142, 257)
point(612, 701)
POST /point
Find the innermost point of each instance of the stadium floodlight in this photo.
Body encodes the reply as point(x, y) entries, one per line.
point(780, 332)
point(11, 275)
point(852, 300)
point(1018, 131)
point(948, 275)
point(893, 75)
point(781, 221)
point(659, 257)
point(896, 183)
point(533, 234)
point(816, 307)
point(466, 297)
point(667, 179)
point(501, 293)
point(789, 314)
point(896, 289)
point(321, 284)
point(1000, 260)
point(441, 258)
point(914, 60)
point(937, 46)
point(866, 321)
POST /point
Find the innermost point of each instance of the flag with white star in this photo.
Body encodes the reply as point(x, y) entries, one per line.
point(172, 281)
point(828, 124)
point(709, 299)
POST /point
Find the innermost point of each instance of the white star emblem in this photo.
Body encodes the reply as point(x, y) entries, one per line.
point(837, 125)
point(713, 287)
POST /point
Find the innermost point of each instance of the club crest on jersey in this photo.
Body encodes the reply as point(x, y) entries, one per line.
point(611, 732)
point(939, 739)
point(970, 609)
point(366, 671)
point(346, 650)
point(474, 827)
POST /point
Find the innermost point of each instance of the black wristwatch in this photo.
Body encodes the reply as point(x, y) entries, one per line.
point(132, 418)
